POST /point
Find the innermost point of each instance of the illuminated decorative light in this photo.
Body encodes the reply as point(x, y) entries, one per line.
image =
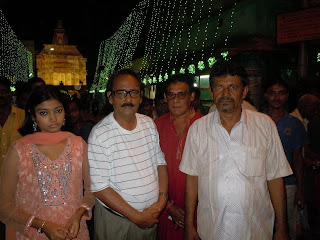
point(117, 52)
point(216, 32)
point(189, 34)
point(154, 79)
point(225, 55)
point(166, 35)
point(15, 59)
point(173, 72)
point(151, 37)
point(144, 81)
point(206, 30)
point(204, 76)
point(182, 70)
point(201, 65)
point(160, 78)
point(231, 24)
point(175, 41)
point(212, 61)
point(192, 68)
point(51, 49)
point(166, 76)
point(168, 28)
point(318, 57)
point(195, 85)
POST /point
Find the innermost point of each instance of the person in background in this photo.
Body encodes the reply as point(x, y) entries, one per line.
point(234, 161)
point(173, 129)
point(35, 82)
point(293, 138)
point(306, 109)
point(307, 112)
point(127, 167)
point(146, 107)
point(45, 172)
point(22, 94)
point(80, 127)
point(11, 119)
point(196, 103)
point(161, 105)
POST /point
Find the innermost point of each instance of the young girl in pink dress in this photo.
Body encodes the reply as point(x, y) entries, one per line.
point(41, 188)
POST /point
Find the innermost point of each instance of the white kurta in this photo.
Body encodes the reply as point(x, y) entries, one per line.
point(233, 170)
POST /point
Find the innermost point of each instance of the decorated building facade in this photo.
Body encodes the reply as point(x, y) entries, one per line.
point(59, 63)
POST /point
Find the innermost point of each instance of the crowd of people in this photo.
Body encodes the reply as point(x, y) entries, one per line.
point(161, 169)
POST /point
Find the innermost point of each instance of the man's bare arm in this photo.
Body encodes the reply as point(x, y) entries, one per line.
point(278, 199)
point(191, 194)
point(163, 185)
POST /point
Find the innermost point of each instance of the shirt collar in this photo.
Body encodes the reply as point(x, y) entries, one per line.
point(243, 118)
point(188, 117)
point(286, 114)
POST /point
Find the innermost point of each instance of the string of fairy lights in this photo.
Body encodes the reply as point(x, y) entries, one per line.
point(182, 38)
point(15, 59)
point(117, 51)
point(186, 39)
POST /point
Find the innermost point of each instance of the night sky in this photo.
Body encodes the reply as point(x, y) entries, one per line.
point(87, 22)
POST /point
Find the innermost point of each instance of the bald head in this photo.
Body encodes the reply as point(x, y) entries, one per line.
point(308, 105)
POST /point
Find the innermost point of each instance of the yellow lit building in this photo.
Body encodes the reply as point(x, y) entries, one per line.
point(59, 62)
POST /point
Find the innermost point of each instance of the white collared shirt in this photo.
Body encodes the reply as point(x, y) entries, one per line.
point(233, 171)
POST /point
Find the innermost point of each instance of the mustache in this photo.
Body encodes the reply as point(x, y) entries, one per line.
point(226, 99)
point(127, 105)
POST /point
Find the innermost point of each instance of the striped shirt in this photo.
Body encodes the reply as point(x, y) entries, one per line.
point(126, 161)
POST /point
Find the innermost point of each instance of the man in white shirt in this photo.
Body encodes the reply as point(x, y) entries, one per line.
point(234, 163)
point(127, 167)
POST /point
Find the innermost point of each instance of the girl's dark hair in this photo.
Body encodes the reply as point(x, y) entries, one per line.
point(39, 95)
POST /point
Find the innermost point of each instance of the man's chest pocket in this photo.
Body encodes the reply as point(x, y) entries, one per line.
point(255, 162)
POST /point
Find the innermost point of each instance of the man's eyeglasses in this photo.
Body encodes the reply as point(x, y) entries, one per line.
point(124, 93)
point(180, 95)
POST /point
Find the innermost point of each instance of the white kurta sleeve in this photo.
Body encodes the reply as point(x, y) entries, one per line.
point(277, 164)
point(189, 163)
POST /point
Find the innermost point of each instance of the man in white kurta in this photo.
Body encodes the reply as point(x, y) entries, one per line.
point(233, 171)
point(234, 166)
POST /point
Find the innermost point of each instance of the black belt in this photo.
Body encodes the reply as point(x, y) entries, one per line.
point(113, 212)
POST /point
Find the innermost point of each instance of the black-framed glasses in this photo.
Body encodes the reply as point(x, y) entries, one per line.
point(180, 95)
point(124, 93)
